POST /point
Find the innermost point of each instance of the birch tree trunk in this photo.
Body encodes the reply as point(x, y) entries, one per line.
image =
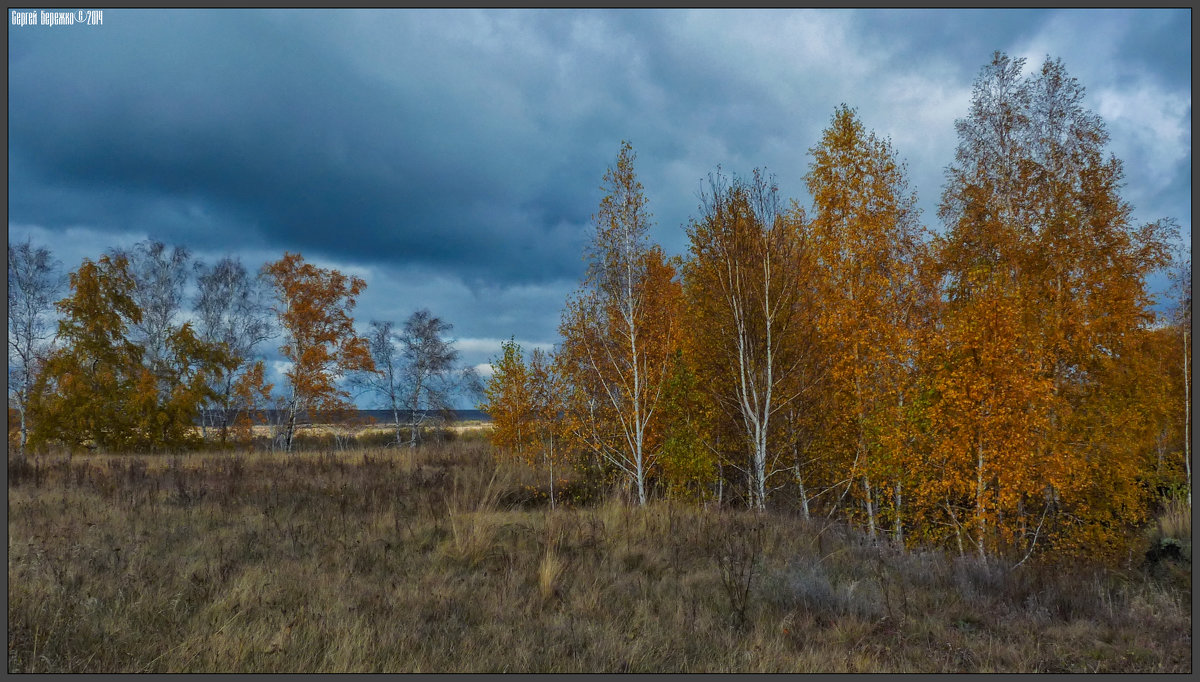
point(803, 492)
point(981, 519)
point(551, 465)
point(870, 505)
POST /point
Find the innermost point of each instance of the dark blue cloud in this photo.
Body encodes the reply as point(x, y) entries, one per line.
point(963, 39)
point(250, 121)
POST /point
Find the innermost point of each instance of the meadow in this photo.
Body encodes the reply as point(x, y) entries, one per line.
point(442, 559)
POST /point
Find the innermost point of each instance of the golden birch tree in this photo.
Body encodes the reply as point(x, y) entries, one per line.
point(313, 307)
point(83, 395)
point(866, 244)
point(742, 293)
point(1033, 200)
point(616, 339)
point(507, 402)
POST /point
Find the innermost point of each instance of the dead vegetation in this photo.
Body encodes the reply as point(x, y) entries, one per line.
point(442, 560)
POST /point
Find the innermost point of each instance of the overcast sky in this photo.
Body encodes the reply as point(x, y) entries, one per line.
point(453, 158)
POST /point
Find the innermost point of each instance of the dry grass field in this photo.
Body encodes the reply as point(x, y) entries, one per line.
point(440, 559)
point(363, 432)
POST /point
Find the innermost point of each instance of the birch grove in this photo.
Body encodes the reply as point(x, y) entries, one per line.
point(1003, 388)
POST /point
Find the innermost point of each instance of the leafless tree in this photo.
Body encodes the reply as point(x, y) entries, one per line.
point(385, 381)
point(428, 379)
point(33, 286)
point(160, 275)
point(231, 308)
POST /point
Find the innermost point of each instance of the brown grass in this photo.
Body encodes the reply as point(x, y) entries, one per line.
point(441, 560)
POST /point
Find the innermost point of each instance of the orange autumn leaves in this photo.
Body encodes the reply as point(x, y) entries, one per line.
point(999, 388)
point(98, 388)
point(524, 401)
point(313, 306)
point(1045, 293)
point(96, 391)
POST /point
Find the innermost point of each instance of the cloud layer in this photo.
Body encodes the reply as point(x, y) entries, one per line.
point(455, 157)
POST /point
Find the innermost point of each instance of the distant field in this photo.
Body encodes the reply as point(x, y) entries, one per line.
point(473, 426)
point(351, 430)
point(440, 559)
point(385, 416)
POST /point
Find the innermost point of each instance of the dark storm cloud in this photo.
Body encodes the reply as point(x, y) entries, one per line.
point(475, 140)
point(235, 113)
point(962, 39)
